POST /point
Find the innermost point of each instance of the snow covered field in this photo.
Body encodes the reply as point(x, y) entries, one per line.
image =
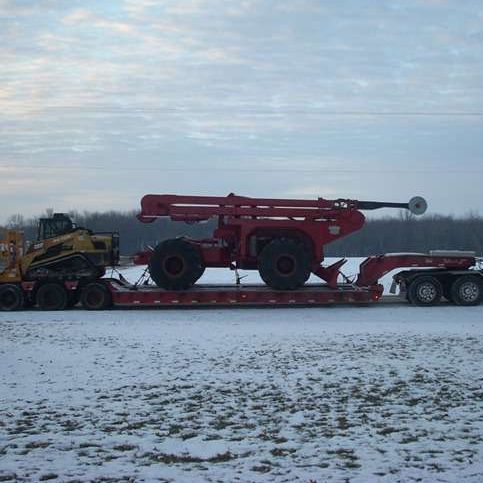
point(362, 394)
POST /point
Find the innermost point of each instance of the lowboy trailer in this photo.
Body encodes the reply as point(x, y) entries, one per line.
point(452, 275)
point(284, 239)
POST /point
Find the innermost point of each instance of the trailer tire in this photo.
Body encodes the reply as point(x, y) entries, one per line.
point(176, 265)
point(11, 298)
point(96, 296)
point(284, 264)
point(52, 296)
point(467, 290)
point(425, 290)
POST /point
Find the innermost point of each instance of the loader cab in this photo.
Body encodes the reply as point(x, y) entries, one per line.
point(59, 224)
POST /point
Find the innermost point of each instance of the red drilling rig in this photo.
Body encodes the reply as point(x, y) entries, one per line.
point(283, 239)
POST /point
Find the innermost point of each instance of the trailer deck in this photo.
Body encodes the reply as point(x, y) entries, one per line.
point(240, 295)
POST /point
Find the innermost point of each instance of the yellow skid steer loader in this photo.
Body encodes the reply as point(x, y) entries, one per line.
point(51, 271)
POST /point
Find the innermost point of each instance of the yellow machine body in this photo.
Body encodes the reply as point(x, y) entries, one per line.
point(76, 254)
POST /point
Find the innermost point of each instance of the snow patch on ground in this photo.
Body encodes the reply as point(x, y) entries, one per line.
point(383, 393)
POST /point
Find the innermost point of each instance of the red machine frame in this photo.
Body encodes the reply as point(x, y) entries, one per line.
point(246, 224)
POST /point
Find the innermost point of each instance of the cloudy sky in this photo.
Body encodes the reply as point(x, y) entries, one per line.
point(104, 101)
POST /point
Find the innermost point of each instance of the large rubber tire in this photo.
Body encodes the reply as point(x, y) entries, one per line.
point(11, 298)
point(467, 290)
point(425, 290)
point(176, 265)
point(284, 264)
point(96, 296)
point(52, 296)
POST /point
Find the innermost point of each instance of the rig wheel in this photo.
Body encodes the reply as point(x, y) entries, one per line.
point(11, 298)
point(52, 296)
point(176, 265)
point(284, 264)
point(425, 290)
point(467, 290)
point(96, 296)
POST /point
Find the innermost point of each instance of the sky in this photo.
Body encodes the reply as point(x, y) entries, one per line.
point(103, 102)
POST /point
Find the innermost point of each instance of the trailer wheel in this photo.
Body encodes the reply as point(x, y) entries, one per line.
point(96, 296)
point(425, 290)
point(176, 265)
point(52, 296)
point(11, 298)
point(467, 290)
point(284, 264)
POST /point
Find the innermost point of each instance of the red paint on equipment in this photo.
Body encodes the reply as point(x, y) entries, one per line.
point(247, 295)
point(245, 225)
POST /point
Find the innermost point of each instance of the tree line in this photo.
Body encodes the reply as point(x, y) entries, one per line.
point(404, 233)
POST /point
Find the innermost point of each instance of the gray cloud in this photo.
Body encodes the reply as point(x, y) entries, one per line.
point(256, 97)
